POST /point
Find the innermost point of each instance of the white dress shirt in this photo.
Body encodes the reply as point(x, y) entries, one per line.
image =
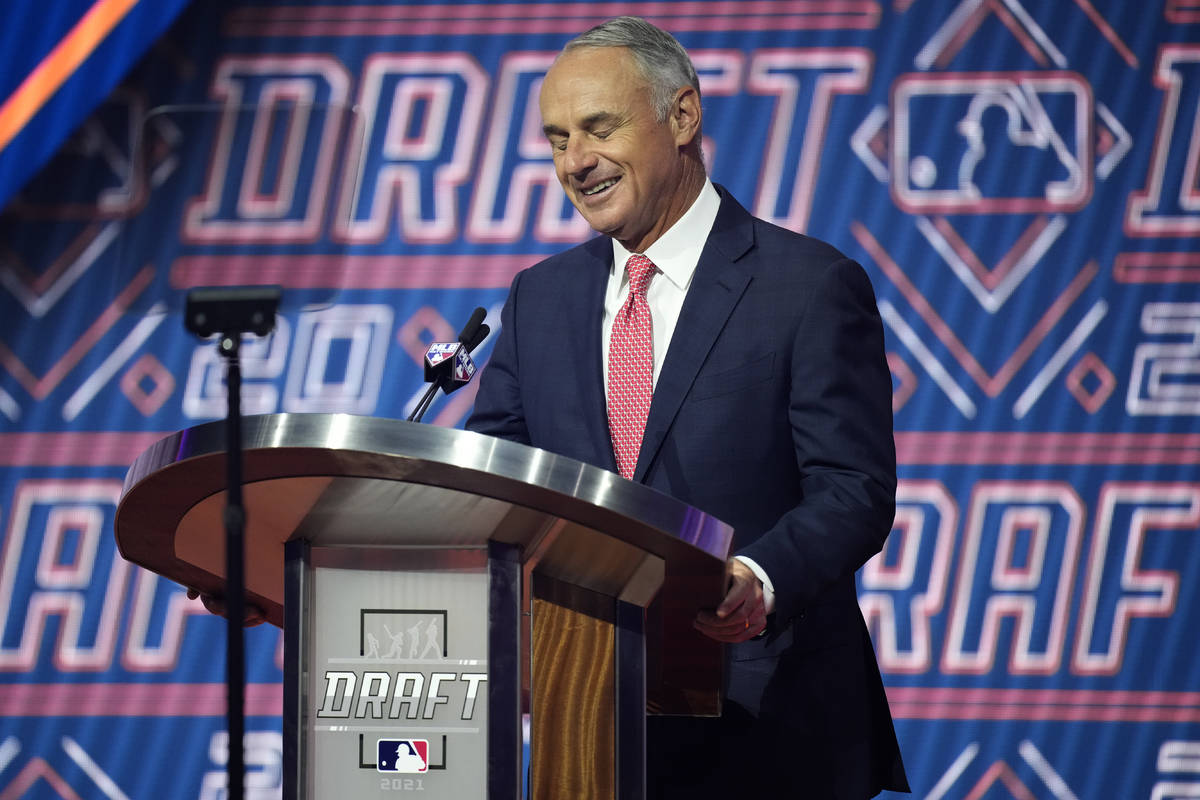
point(676, 254)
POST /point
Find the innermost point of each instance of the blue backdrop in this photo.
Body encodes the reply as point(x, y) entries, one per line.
point(1021, 180)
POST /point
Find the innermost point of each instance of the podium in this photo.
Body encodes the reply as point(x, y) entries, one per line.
point(433, 585)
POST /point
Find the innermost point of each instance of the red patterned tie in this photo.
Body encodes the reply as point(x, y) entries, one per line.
point(631, 367)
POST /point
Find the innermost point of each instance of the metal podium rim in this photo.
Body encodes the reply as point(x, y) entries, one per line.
point(376, 447)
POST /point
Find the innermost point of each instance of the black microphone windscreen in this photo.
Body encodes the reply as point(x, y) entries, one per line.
point(472, 327)
point(480, 335)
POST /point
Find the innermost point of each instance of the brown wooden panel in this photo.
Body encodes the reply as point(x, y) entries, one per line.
point(573, 747)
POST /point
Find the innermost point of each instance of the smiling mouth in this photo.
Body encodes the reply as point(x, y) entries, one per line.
point(599, 187)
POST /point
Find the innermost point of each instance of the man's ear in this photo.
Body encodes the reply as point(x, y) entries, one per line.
point(685, 116)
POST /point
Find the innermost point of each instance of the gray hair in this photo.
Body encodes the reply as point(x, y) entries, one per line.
point(659, 56)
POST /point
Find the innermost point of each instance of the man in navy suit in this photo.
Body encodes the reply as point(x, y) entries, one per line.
point(760, 379)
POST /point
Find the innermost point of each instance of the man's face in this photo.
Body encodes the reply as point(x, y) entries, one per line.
point(622, 168)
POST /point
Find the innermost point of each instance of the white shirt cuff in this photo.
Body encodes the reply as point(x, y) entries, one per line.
point(768, 587)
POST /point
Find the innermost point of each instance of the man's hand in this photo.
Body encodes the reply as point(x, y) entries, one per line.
point(742, 614)
point(216, 605)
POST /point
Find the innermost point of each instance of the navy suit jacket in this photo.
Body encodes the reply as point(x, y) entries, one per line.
point(772, 412)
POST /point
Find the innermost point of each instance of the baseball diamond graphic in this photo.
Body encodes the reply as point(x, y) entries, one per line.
point(1020, 179)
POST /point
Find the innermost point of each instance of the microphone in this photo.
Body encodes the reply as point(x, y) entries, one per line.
point(471, 330)
point(448, 365)
point(480, 335)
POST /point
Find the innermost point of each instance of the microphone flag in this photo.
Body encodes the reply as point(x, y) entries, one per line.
point(438, 358)
point(448, 365)
point(464, 369)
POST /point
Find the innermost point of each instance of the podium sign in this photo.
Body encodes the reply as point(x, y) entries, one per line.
point(433, 584)
point(398, 673)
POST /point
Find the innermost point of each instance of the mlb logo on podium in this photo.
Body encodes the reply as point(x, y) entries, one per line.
point(402, 755)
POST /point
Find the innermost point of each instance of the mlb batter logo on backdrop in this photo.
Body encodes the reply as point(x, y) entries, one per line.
point(402, 755)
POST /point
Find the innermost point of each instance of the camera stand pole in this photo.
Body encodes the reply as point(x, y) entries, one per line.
point(231, 313)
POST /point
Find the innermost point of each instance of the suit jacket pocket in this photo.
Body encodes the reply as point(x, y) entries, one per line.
point(731, 380)
point(826, 625)
point(766, 647)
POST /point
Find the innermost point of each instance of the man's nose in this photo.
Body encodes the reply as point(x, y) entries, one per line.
point(580, 156)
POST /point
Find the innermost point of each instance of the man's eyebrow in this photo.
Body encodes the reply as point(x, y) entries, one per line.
point(600, 117)
point(589, 122)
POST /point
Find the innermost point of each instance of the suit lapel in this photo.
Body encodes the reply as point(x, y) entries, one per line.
point(587, 310)
point(717, 285)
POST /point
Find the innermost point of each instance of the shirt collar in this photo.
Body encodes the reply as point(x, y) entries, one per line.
point(677, 252)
